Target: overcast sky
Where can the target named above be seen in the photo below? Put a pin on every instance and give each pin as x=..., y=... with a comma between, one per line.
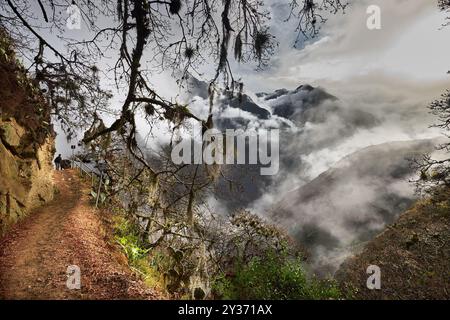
x=411, y=49
x=409, y=45
x=409, y=56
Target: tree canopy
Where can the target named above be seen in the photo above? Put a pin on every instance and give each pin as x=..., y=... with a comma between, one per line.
x=142, y=34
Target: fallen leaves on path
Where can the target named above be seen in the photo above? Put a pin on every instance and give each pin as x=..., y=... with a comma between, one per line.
x=35, y=254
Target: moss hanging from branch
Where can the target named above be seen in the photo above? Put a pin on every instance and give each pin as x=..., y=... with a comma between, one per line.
x=175, y=6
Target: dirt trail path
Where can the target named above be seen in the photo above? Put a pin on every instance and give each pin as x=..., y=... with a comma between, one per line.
x=35, y=254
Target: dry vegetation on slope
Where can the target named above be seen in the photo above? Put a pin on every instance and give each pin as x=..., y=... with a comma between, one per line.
x=413, y=254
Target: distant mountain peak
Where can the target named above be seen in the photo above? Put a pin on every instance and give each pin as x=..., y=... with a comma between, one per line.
x=304, y=87
x=243, y=102
x=291, y=104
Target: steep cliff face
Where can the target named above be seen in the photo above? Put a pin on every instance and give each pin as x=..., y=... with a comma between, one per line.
x=26, y=141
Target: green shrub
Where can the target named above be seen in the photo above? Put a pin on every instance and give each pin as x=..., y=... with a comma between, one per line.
x=274, y=277
x=128, y=237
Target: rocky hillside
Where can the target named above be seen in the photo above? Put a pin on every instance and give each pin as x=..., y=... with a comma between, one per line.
x=413, y=255
x=26, y=141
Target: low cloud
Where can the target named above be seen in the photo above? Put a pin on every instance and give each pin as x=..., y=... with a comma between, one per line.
x=382, y=81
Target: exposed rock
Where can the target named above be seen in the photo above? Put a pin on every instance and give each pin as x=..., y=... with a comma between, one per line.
x=26, y=143
x=246, y=103
x=11, y=133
